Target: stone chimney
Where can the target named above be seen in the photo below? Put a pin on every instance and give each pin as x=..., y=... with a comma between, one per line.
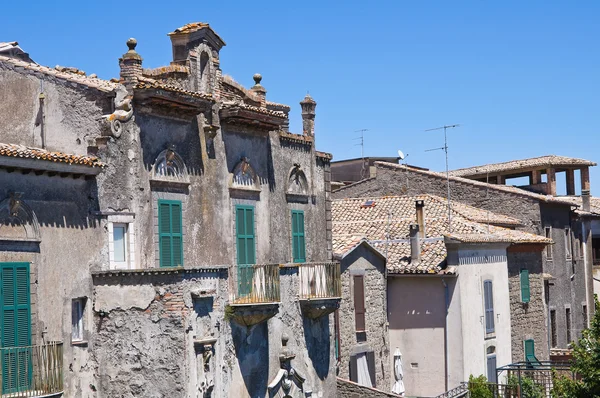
x=415, y=245
x=131, y=65
x=585, y=199
x=420, y=207
x=259, y=90
x=308, y=116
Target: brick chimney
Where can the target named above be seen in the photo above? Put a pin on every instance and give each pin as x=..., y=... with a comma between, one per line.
x=259, y=90
x=308, y=115
x=131, y=65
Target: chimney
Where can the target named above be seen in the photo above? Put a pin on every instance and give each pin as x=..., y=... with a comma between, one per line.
x=131, y=65
x=585, y=199
x=259, y=90
x=415, y=246
x=308, y=116
x=420, y=206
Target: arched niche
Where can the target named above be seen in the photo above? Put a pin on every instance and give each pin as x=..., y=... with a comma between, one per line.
x=17, y=220
x=297, y=184
x=169, y=166
x=244, y=176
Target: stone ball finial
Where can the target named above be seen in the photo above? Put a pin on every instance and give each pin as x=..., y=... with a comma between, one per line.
x=257, y=78
x=284, y=339
x=131, y=43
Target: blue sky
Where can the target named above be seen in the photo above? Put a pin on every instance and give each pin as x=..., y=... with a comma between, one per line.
x=521, y=77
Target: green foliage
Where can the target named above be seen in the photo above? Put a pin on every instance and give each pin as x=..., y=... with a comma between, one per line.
x=478, y=387
x=586, y=364
x=529, y=389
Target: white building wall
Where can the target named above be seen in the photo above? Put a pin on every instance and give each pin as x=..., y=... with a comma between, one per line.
x=478, y=263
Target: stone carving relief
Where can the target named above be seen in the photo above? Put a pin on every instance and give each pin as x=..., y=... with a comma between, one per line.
x=122, y=114
x=288, y=383
x=244, y=176
x=169, y=166
x=297, y=182
x=17, y=220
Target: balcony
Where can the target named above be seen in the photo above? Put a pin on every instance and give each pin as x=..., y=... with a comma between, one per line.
x=33, y=371
x=257, y=293
x=320, y=288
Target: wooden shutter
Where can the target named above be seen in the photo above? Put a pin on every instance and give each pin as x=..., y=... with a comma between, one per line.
x=371, y=366
x=359, y=303
x=244, y=227
x=353, y=369
x=525, y=291
x=491, y=369
x=298, y=242
x=488, y=299
x=530, y=351
x=170, y=233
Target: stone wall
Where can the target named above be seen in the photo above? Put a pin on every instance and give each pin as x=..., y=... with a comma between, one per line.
x=348, y=389
x=364, y=261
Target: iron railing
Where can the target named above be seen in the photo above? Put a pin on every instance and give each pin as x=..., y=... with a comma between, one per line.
x=257, y=283
x=457, y=392
x=320, y=280
x=31, y=371
x=538, y=376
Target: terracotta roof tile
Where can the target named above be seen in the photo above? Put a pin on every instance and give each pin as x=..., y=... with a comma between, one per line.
x=146, y=83
x=253, y=108
x=20, y=151
x=164, y=70
x=524, y=164
x=324, y=155
x=386, y=226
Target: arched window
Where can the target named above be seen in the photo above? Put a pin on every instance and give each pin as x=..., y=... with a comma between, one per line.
x=169, y=165
x=204, y=72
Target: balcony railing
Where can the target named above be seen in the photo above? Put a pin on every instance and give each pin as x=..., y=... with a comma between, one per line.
x=31, y=371
x=257, y=284
x=320, y=281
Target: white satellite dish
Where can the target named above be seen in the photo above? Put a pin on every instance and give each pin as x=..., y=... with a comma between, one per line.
x=400, y=154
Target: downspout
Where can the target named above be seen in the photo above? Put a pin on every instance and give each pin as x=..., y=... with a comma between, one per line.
x=447, y=360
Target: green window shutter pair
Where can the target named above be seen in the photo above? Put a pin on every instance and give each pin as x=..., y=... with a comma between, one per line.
x=529, y=346
x=525, y=291
x=298, y=241
x=170, y=233
x=244, y=226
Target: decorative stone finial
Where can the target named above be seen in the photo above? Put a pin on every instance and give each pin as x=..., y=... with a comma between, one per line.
x=131, y=43
x=257, y=78
x=131, y=53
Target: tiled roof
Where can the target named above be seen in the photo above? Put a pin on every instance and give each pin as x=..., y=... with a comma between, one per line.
x=72, y=75
x=278, y=106
x=164, y=70
x=301, y=138
x=386, y=226
x=324, y=155
x=20, y=151
x=253, y=108
x=576, y=200
x=497, y=187
x=146, y=83
x=524, y=164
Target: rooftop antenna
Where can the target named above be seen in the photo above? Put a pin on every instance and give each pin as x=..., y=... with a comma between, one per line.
x=362, y=150
x=445, y=148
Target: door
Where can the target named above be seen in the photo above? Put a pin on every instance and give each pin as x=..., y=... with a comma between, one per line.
x=244, y=225
x=15, y=317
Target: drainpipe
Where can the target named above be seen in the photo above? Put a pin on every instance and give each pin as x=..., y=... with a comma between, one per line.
x=447, y=360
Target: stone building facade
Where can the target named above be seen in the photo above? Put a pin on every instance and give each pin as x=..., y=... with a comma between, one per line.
x=177, y=223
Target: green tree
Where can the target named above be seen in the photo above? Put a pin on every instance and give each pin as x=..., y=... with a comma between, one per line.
x=586, y=364
x=478, y=387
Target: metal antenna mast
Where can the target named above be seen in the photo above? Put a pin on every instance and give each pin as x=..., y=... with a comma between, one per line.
x=445, y=148
x=362, y=150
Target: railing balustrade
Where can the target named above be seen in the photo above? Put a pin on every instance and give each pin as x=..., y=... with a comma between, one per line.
x=31, y=371
x=257, y=283
x=320, y=280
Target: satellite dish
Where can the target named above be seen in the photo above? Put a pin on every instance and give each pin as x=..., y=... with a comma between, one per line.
x=400, y=154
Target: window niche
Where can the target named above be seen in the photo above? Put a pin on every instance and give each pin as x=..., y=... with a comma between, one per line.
x=297, y=185
x=243, y=178
x=19, y=227
x=169, y=168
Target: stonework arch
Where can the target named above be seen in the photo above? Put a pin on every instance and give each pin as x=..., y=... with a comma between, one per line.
x=17, y=220
x=169, y=166
x=205, y=69
x=244, y=176
x=297, y=184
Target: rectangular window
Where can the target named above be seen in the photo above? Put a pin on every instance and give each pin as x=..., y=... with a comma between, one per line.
x=548, y=247
x=568, y=316
x=359, y=303
x=491, y=369
x=488, y=299
x=525, y=292
x=298, y=242
x=530, y=351
x=170, y=233
x=553, y=335
x=77, y=311
x=120, y=243
x=568, y=243
x=246, y=250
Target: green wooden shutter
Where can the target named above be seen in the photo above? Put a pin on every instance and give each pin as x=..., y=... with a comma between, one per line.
x=16, y=327
x=246, y=254
x=298, y=242
x=525, y=292
x=530, y=351
x=170, y=233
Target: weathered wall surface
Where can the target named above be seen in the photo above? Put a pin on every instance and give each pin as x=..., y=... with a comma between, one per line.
x=524, y=315
x=348, y=389
x=363, y=261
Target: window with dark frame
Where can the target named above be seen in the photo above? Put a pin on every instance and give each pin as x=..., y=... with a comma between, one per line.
x=77, y=311
x=553, y=335
x=359, y=303
x=568, y=246
x=548, y=231
x=488, y=299
x=568, y=316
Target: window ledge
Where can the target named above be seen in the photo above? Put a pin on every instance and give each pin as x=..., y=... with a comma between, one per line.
x=79, y=343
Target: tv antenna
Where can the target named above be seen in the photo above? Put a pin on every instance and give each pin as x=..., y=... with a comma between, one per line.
x=445, y=148
x=362, y=150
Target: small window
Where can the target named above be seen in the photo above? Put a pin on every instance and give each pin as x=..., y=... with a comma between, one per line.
x=525, y=291
x=568, y=243
x=585, y=316
x=568, y=319
x=553, y=335
x=77, y=311
x=548, y=247
x=359, y=303
x=298, y=240
x=488, y=299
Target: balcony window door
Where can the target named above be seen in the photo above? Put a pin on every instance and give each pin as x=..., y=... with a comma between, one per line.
x=246, y=251
x=15, y=317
